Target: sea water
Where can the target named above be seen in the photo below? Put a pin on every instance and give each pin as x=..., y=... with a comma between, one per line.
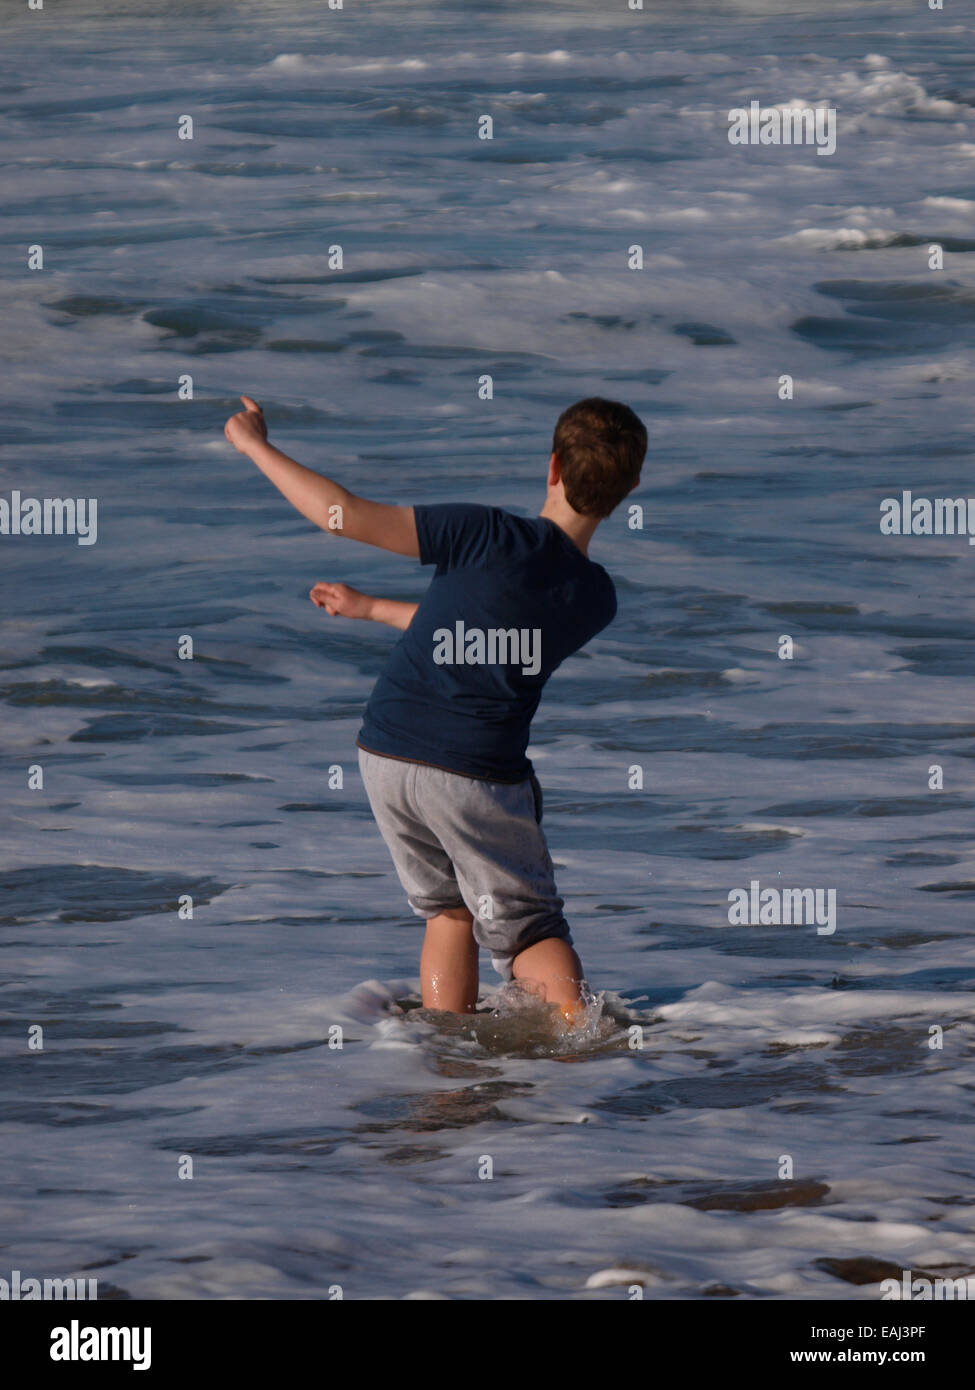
x=250, y=1101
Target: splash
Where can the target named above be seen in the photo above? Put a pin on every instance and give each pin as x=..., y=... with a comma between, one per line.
x=517, y=1021
x=526, y=1006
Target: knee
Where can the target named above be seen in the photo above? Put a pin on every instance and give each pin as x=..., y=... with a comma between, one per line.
x=455, y=914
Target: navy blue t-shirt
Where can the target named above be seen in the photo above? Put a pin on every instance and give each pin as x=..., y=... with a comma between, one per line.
x=510, y=599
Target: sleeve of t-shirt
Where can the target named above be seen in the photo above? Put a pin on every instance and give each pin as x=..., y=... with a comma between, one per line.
x=453, y=535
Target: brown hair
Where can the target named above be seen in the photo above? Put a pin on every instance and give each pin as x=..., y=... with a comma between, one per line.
x=601, y=446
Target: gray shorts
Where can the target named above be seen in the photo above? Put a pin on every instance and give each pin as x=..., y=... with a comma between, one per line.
x=462, y=842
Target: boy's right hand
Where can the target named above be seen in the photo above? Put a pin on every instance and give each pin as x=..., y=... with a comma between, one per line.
x=341, y=600
x=247, y=427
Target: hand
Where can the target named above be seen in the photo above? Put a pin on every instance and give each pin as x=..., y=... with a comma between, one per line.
x=341, y=600
x=246, y=428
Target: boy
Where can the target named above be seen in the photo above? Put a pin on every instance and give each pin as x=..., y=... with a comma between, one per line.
x=442, y=746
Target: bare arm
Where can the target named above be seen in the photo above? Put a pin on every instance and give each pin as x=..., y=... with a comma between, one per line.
x=343, y=601
x=326, y=503
x=393, y=612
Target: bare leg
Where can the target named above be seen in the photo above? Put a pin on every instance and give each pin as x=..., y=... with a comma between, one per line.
x=553, y=965
x=448, y=962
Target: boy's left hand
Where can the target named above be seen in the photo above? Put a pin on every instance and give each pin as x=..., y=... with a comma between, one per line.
x=247, y=427
x=341, y=600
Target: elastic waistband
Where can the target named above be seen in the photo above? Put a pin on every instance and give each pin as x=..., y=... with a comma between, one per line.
x=453, y=771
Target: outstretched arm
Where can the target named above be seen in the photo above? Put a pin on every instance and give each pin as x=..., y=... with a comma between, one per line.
x=344, y=601
x=326, y=503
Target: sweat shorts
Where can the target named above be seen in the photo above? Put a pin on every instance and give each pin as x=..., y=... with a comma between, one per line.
x=461, y=841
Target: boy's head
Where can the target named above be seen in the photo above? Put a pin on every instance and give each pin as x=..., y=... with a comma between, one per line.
x=601, y=446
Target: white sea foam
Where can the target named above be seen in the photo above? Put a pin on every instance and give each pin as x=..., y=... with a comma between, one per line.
x=210, y=1035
